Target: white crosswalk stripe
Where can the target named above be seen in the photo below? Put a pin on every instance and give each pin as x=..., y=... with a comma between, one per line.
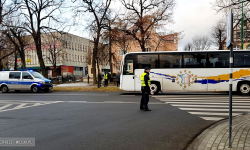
x=7, y=105
x=212, y=108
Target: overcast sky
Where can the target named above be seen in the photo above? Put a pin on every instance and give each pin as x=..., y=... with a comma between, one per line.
x=194, y=17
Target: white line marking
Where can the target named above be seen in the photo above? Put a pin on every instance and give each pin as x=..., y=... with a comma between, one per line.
x=235, y=103
x=211, y=118
x=207, y=98
x=5, y=106
x=29, y=106
x=209, y=106
x=213, y=114
x=127, y=95
x=204, y=109
x=205, y=101
x=19, y=106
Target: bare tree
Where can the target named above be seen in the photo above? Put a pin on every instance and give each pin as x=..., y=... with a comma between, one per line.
x=38, y=15
x=55, y=45
x=6, y=49
x=6, y=8
x=145, y=16
x=218, y=34
x=201, y=43
x=226, y=5
x=188, y=47
x=98, y=9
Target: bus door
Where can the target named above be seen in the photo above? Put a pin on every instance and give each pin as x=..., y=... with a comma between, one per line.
x=127, y=81
x=137, y=79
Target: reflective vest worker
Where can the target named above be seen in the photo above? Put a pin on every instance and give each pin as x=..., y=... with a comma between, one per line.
x=145, y=89
x=106, y=80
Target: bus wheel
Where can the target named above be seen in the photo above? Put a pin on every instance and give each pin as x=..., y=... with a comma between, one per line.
x=34, y=89
x=4, y=89
x=244, y=88
x=155, y=87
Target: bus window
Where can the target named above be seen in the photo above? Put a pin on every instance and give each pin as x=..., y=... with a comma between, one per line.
x=241, y=59
x=147, y=61
x=128, y=66
x=195, y=60
x=170, y=61
x=218, y=60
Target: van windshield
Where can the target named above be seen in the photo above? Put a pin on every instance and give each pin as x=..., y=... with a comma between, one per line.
x=37, y=75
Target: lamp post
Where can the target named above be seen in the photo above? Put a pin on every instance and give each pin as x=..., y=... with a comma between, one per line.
x=242, y=25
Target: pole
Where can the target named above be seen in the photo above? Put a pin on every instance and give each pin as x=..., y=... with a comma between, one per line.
x=230, y=96
x=231, y=85
x=242, y=25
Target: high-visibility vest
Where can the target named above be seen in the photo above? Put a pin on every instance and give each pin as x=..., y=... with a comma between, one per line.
x=142, y=80
x=106, y=76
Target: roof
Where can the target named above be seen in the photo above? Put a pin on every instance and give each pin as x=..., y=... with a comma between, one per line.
x=169, y=37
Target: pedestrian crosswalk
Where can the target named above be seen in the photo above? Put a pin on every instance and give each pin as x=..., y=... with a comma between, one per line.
x=208, y=107
x=7, y=105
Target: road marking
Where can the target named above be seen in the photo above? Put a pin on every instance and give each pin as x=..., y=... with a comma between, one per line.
x=213, y=114
x=204, y=98
x=5, y=106
x=21, y=106
x=212, y=118
x=204, y=109
x=235, y=103
x=169, y=101
x=209, y=106
x=127, y=95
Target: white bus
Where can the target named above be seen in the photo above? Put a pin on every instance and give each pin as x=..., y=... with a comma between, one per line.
x=187, y=71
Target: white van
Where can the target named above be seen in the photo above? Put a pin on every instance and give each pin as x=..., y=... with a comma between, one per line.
x=24, y=80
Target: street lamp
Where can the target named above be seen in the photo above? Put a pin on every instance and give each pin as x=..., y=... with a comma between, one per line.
x=242, y=25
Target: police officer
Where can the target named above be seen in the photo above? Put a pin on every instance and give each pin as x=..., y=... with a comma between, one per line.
x=106, y=79
x=145, y=88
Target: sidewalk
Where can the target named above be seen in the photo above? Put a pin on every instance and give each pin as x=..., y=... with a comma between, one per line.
x=81, y=84
x=216, y=136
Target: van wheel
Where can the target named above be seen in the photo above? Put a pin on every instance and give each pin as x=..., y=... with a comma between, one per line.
x=4, y=89
x=155, y=87
x=244, y=88
x=34, y=89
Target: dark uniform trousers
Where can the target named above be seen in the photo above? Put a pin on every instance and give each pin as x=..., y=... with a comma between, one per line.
x=144, y=98
x=106, y=82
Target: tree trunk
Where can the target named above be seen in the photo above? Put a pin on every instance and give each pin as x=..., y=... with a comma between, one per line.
x=22, y=55
x=37, y=40
x=1, y=66
x=96, y=42
x=110, y=54
x=15, y=65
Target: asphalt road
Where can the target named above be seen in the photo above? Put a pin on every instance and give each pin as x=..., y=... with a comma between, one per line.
x=97, y=121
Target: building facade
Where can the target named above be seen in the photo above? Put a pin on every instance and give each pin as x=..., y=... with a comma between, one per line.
x=237, y=35
x=155, y=43
x=66, y=50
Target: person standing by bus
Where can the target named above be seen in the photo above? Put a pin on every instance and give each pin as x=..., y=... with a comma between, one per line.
x=106, y=79
x=145, y=88
x=118, y=76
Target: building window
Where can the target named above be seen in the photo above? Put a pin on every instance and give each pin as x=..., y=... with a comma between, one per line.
x=117, y=68
x=248, y=47
x=148, y=49
x=236, y=47
x=120, y=52
x=69, y=57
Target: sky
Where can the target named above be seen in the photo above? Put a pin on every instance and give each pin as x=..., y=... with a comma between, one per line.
x=193, y=17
